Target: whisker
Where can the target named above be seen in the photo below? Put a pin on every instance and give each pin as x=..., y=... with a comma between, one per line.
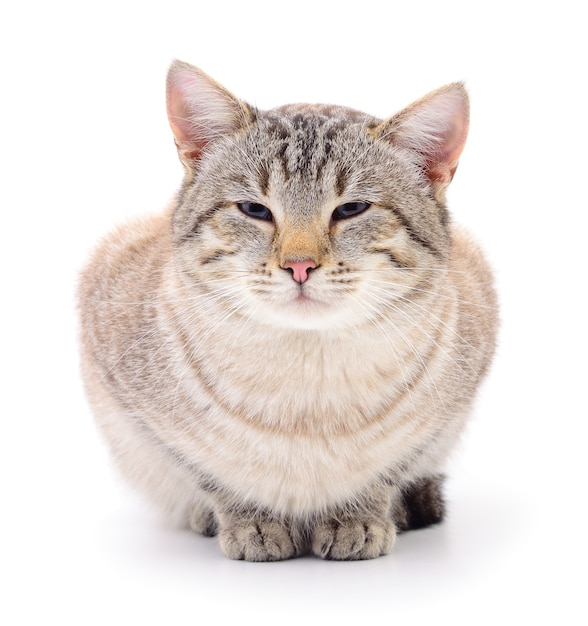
x=436, y=293
x=399, y=360
x=391, y=305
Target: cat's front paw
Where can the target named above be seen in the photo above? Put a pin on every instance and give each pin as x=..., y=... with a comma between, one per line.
x=353, y=539
x=257, y=540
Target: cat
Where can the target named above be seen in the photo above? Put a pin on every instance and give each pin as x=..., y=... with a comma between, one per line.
x=285, y=357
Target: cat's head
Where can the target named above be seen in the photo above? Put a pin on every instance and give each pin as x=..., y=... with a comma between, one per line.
x=311, y=216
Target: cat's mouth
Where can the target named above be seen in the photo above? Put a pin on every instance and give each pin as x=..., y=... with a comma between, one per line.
x=303, y=304
x=303, y=298
x=306, y=308
x=308, y=305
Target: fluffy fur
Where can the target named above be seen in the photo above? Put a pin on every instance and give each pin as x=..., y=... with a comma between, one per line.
x=286, y=356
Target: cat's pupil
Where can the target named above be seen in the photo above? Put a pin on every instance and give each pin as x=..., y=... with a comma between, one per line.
x=350, y=209
x=253, y=209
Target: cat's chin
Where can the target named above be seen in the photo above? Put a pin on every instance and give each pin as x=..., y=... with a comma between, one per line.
x=307, y=314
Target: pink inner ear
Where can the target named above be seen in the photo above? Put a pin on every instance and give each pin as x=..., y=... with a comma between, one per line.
x=199, y=109
x=188, y=142
x=443, y=162
x=455, y=138
x=436, y=128
x=178, y=114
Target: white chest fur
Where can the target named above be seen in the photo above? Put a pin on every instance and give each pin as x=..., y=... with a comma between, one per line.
x=297, y=421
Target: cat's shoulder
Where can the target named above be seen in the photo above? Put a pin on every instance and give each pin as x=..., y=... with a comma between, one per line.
x=472, y=274
x=466, y=252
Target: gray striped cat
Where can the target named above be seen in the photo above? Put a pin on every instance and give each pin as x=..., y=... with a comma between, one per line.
x=285, y=357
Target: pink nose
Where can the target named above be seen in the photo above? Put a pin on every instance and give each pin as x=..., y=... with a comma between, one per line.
x=300, y=269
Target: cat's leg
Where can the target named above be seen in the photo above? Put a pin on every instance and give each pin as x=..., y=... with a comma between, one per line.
x=255, y=536
x=420, y=504
x=361, y=530
x=201, y=517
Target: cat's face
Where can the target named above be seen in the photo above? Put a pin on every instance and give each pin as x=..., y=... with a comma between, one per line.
x=305, y=216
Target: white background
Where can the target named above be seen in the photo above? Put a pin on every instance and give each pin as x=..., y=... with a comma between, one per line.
x=84, y=143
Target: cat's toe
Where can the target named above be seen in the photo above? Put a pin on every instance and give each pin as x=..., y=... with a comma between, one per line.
x=257, y=541
x=353, y=539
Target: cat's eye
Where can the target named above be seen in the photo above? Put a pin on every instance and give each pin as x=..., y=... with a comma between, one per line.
x=350, y=209
x=253, y=209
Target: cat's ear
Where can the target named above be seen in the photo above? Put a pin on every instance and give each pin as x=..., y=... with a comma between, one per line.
x=435, y=128
x=200, y=110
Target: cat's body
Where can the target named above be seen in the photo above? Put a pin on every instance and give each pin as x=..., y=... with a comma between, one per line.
x=287, y=355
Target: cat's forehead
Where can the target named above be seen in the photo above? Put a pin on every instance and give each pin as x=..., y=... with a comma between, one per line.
x=308, y=147
x=304, y=117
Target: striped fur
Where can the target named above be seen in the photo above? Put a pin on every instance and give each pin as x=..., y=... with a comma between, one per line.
x=285, y=416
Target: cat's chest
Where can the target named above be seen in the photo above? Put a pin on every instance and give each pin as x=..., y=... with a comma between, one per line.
x=307, y=381
x=300, y=419
x=303, y=427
